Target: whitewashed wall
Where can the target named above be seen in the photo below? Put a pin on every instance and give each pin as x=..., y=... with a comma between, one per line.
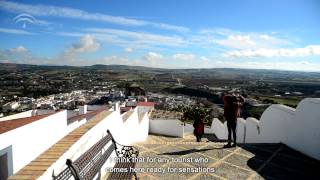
x=304, y=129
x=72, y=113
x=96, y=107
x=145, y=108
x=131, y=125
x=167, y=127
x=241, y=128
x=219, y=129
x=207, y=130
x=42, y=112
x=274, y=123
x=188, y=128
x=297, y=128
x=252, y=130
x=27, y=114
x=143, y=128
x=16, y=116
x=29, y=141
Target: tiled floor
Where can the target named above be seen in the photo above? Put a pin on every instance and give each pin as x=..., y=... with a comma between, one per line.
x=249, y=161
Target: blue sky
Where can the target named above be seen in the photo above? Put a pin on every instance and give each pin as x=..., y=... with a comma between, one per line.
x=274, y=34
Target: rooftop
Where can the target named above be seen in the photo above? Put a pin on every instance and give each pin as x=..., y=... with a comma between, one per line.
x=9, y=125
x=146, y=104
x=161, y=114
x=88, y=115
x=125, y=109
x=247, y=161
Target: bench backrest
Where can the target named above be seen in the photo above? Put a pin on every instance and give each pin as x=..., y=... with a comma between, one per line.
x=88, y=165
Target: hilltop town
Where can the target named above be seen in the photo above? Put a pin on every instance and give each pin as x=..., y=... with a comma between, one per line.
x=26, y=87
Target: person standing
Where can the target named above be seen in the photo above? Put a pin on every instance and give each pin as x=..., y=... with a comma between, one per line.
x=232, y=106
x=198, y=128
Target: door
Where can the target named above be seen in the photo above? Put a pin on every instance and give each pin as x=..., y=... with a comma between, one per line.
x=4, y=166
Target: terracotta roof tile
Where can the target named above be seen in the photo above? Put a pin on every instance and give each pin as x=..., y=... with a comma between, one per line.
x=146, y=104
x=9, y=125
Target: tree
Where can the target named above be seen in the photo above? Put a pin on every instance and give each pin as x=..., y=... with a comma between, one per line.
x=191, y=113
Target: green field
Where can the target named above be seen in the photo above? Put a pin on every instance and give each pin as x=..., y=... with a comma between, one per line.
x=291, y=101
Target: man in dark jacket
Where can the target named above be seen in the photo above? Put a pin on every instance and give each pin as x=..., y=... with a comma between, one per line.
x=232, y=106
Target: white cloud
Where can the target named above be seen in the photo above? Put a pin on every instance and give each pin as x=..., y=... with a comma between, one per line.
x=237, y=41
x=4, y=60
x=150, y=59
x=18, y=49
x=86, y=44
x=137, y=38
x=15, y=31
x=153, y=56
x=218, y=31
x=254, y=44
x=182, y=56
x=232, y=39
x=285, y=65
x=131, y=39
x=205, y=60
x=311, y=50
x=170, y=27
x=21, y=55
x=114, y=60
x=250, y=41
x=44, y=10
x=153, y=59
x=128, y=50
x=70, y=34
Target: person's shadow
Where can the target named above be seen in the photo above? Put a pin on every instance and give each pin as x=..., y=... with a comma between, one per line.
x=213, y=138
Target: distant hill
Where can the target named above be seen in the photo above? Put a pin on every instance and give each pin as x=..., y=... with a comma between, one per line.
x=224, y=73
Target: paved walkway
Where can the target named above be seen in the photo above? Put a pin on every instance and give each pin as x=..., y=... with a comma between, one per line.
x=161, y=156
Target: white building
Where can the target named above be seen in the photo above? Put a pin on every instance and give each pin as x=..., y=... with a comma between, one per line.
x=10, y=106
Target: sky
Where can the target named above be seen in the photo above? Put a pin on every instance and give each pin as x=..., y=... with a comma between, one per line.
x=264, y=34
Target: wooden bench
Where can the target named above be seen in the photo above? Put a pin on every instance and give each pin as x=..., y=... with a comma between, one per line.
x=89, y=164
